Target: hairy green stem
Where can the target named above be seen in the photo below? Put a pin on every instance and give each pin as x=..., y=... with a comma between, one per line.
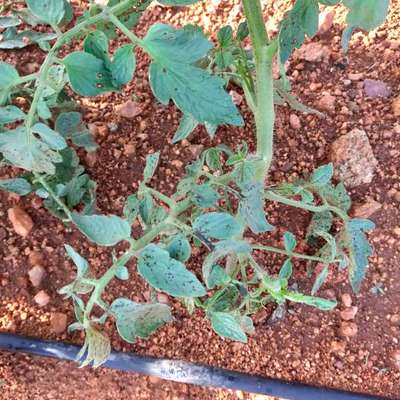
x=264, y=114
x=273, y=196
x=272, y=249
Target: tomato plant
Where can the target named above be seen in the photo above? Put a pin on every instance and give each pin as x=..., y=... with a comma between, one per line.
x=214, y=207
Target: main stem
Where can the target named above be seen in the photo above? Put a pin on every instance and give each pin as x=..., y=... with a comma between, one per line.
x=264, y=112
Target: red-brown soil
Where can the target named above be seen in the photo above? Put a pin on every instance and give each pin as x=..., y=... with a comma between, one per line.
x=306, y=345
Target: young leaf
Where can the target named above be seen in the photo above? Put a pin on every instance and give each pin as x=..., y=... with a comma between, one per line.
x=242, y=32
x=98, y=348
x=106, y=230
x=223, y=300
x=27, y=152
x=336, y=196
x=322, y=304
x=96, y=44
x=8, y=77
x=167, y=274
x=9, y=21
x=9, y=114
x=226, y=325
x=359, y=249
x=251, y=208
x=221, y=250
x=225, y=36
x=187, y=125
x=290, y=241
x=49, y=11
x=204, y=196
x=138, y=320
x=286, y=270
x=366, y=14
x=122, y=273
x=19, y=186
x=52, y=138
x=131, y=208
x=217, y=277
x=81, y=263
x=179, y=248
x=151, y=166
x=217, y=225
x=320, y=222
x=123, y=65
x=322, y=175
x=87, y=74
x=320, y=279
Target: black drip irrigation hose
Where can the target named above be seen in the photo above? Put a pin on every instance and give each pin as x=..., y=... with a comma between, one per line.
x=183, y=372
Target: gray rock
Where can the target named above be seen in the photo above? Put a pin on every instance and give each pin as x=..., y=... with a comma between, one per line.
x=374, y=88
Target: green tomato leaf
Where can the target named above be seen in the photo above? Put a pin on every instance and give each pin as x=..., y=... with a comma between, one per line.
x=243, y=31
x=98, y=347
x=87, y=74
x=106, y=230
x=322, y=175
x=223, y=300
x=301, y=20
x=204, y=196
x=49, y=11
x=336, y=196
x=9, y=114
x=67, y=123
x=96, y=44
x=122, y=273
x=286, y=270
x=8, y=75
x=290, y=241
x=356, y=243
x=173, y=77
x=226, y=325
x=9, y=21
x=320, y=222
x=217, y=225
x=251, y=207
x=366, y=14
x=179, y=248
x=138, y=320
x=26, y=151
x=221, y=250
x=123, y=65
x=217, y=277
x=131, y=208
x=152, y=161
x=52, y=138
x=320, y=279
x=225, y=36
x=17, y=185
x=167, y=274
x=81, y=263
x=187, y=125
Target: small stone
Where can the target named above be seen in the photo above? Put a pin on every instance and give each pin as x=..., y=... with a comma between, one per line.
x=112, y=126
x=366, y=209
x=35, y=258
x=395, y=358
x=236, y=97
x=374, y=88
x=327, y=102
x=356, y=77
x=312, y=52
x=354, y=160
x=325, y=22
x=396, y=106
x=129, y=109
x=162, y=298
x=93, y=129
x=102, y=130
x=294, y=121
x=177, y=163
x=396, y=231
x=338, y=346
x=58, y=322
x=196, y=149
x=20, y=220
x=395, y=319
x=348, y=313
x=348, y=329
x=42, y=298
x=129, y=149
x=36, y=275
x=91, y=159
x=346, y=300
